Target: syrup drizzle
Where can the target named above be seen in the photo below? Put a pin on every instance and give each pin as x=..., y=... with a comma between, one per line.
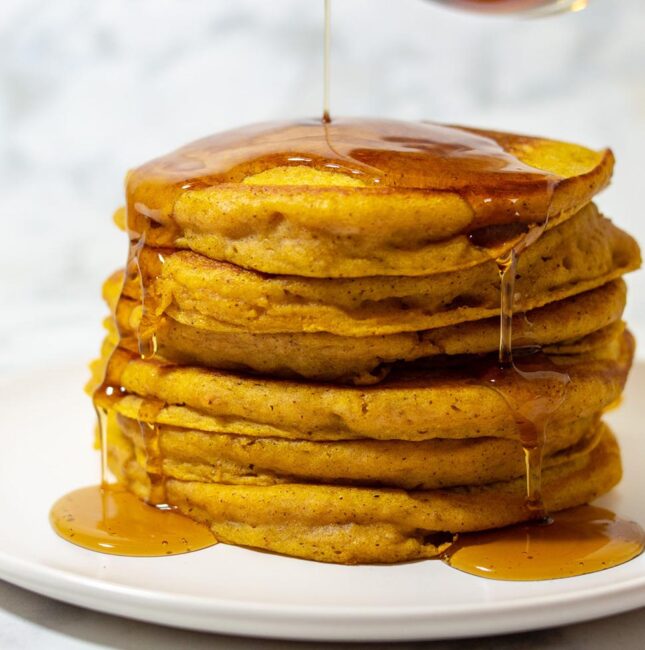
x=382, y=154
x=542, y=388
x=148, y=413
x=326, y=117
x=108, y=518
x=569, y=543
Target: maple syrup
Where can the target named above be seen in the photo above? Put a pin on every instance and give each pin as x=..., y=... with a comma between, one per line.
x=110, y=519
x=542, y=388
x=381, y=153
x=326, y=116
x=571, y=543
x=565, y=544
x=107, y=517
x=147, y=416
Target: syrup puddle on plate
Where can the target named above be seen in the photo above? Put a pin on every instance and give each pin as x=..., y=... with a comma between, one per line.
x=572, y=542
x=109, y=519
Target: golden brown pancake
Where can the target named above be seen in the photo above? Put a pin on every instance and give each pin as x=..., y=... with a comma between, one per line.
x=412, y=403
x=192, y=455
x=358, y=197
x=575, y=324
x=332, y=523
x=583, y=253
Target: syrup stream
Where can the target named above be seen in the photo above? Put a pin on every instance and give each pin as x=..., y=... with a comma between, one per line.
x=326, y=51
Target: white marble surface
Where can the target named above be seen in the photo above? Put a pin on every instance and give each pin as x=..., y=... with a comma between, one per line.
x=88, y=89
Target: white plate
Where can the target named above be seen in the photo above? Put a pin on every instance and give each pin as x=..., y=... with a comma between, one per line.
x=45, y=450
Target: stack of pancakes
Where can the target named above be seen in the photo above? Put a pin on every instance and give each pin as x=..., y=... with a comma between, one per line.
x=311, y=377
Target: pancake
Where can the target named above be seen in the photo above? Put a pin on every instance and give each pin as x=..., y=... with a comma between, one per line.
x=358, y=197
x=581, y=254
x=413, y=403
x=351, y=525
x=565, y=326
x=192, y=455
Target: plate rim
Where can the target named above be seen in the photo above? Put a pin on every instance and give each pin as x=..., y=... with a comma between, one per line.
x=310, y=622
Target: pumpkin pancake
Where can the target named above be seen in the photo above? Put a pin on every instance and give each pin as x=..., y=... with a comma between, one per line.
x=583, y=253
x=565, y=326
x=358, y=197
x=413, y=403
x=349, y=524
x=304, y=353
x=192, y=455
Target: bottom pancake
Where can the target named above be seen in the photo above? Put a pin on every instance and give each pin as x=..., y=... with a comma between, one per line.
x=349, y=525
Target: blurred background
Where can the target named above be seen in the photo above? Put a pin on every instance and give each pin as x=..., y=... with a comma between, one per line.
x=90, y=89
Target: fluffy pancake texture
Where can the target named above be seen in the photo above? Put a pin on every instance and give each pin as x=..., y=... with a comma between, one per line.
x=412, y=403
x=439, y=462
x=327, y=218
x=301, y=350
x=351, y=525
x=579, y=255
x=566, y=325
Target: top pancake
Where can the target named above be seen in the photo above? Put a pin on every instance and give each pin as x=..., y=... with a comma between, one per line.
x=359, y=197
